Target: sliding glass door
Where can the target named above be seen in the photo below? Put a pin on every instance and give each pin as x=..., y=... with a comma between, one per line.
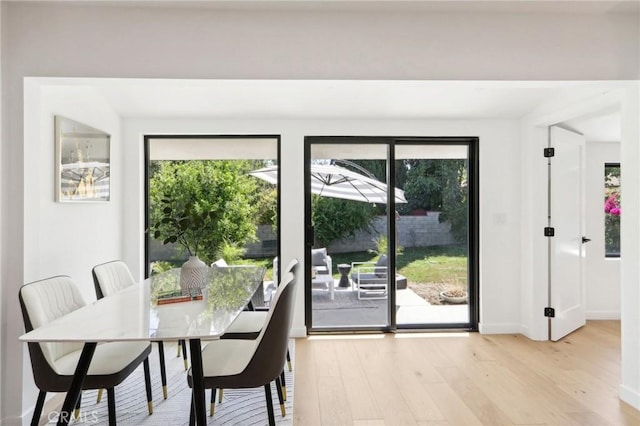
x=392, y=233
x=347, y=196
x=435, y=232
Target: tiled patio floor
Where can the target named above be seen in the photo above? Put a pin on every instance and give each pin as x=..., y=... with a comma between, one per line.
x=411, y=309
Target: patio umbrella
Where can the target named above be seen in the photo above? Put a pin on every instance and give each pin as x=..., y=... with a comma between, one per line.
x=339, y=182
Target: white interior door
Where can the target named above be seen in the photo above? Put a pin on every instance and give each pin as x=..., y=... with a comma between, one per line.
x=566, y=253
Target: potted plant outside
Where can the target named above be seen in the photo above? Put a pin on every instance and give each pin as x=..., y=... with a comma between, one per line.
x=455, y=296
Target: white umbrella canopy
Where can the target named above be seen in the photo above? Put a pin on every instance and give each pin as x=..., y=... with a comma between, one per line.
x=339, y=182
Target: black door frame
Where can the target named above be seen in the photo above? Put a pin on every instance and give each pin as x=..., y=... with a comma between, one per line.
x=147, y=140
x=472, y=144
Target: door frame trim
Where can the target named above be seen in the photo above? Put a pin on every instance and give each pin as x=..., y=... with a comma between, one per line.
x=473, y=256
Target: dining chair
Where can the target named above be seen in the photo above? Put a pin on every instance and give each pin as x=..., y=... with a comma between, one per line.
x=248, y=326
x=241, y=363
x=53, y=363
x=113, y=276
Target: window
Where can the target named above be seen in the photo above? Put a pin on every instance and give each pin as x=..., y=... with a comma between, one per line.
x=203, y=201
x=612, y=209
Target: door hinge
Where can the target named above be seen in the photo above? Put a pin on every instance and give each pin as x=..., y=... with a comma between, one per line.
x=549, y=231
x=549, y=152
x=549, y=312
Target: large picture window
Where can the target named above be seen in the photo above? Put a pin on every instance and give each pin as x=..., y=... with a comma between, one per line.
x=204, y=204
x=612, y=209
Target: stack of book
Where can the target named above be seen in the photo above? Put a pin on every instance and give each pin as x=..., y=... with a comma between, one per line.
x=177, y=296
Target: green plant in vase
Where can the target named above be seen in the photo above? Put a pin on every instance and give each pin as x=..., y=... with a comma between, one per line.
x=184, y=225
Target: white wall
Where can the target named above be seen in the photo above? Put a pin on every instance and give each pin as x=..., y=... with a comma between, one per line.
x=1, y=217
x=499, y=210
x=534, y=261
x=65, y=238
x=630, y=247
x=602, y=274
x=189, y=42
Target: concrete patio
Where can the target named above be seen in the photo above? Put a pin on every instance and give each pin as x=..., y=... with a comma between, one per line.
x=347, y=311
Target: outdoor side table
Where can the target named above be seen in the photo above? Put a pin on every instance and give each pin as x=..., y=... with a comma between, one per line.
x=344, y=269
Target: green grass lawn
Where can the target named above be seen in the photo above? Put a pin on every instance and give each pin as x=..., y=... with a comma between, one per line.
x=435, y=264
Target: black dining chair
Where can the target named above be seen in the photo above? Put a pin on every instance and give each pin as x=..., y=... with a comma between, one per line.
x=241, y=363
x=53, y=363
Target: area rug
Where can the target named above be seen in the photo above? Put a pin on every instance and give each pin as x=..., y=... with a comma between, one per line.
x=238, y=407
x=343, y=299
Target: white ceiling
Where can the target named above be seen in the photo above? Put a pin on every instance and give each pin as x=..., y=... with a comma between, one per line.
x=324, y=99
x=433, y=6
x=340, y=99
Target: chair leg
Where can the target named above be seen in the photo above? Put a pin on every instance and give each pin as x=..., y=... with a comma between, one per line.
x=111, y=404
x=220, y=396
x=284, y=385
x=147, y=384
x=212, y=405
x=192, y=412
x=289, y=361
x=76, y=411
x=184, y=354
x=163, y=368
x=179, y=347
x=37, y=411
x=279, y=388
x=267, y=394
x=99, y=397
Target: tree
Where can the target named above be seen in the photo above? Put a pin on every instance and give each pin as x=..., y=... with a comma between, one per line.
x=455, y=198
x=423, y=188
x=440, y=185
x=202, y=204
x=335, y=218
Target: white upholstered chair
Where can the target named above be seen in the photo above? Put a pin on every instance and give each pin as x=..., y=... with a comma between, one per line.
x=249, y=324
x=113, y=276
x=242, y=363
x=54, y=363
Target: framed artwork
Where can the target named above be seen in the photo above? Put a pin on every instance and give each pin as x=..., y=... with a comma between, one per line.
x=83, y=162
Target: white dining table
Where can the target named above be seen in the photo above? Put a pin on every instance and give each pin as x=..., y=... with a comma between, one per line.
x=133, y=314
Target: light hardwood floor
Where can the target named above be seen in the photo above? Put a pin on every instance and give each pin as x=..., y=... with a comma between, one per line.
x=461, y=379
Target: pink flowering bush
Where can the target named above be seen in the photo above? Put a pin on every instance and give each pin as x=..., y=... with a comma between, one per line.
x=612, y=222
x=612, y=204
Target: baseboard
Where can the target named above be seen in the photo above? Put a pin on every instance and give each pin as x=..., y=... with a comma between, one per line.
x=499, y=328
x=15, y=421
x=52, y=405
x=297, y=332
x=630, y=396
x=603, y=315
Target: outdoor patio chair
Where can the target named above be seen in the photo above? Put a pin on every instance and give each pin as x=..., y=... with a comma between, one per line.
x=321, y=261
x=370, y=279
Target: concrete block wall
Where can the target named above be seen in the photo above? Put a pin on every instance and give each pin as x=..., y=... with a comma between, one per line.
x=413, y=231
